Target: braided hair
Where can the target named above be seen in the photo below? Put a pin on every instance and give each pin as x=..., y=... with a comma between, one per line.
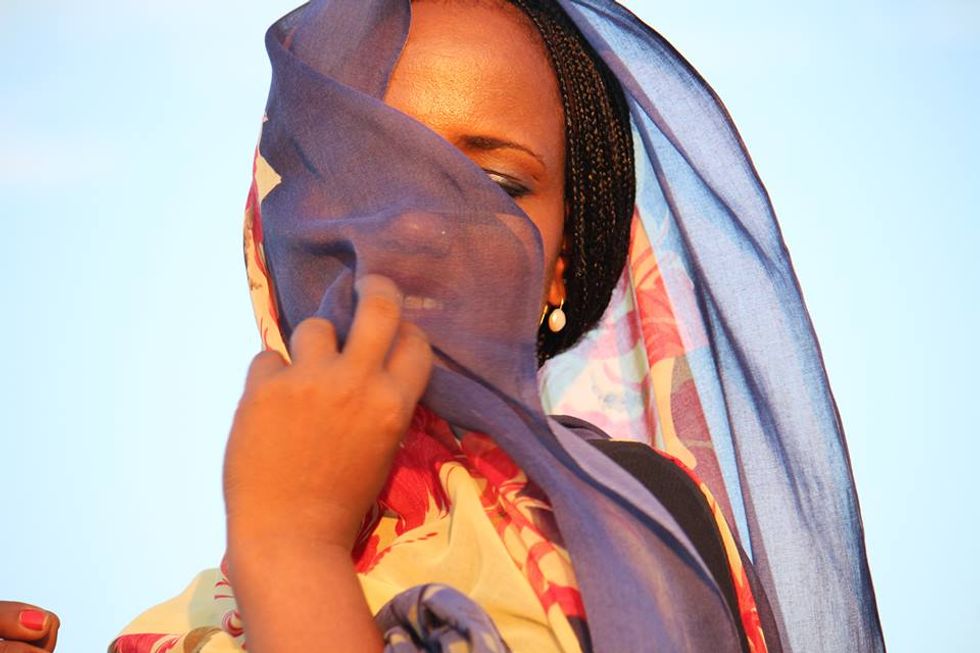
x=600, y=184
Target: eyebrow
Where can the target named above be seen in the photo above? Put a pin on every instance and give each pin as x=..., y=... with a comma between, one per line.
x=488, y=143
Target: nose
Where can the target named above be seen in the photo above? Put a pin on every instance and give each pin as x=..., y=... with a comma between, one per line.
x=429, y=234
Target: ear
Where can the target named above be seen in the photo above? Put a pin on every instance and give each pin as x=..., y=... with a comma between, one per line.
x=556, y=291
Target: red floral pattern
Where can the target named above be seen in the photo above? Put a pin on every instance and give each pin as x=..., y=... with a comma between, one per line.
x=415, y=494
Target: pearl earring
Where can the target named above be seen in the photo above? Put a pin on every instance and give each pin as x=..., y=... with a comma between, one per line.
x=556, y=321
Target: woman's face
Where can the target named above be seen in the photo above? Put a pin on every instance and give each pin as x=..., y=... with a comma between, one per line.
x=478, y=74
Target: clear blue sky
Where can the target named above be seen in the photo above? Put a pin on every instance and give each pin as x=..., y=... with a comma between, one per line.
x=128, y=128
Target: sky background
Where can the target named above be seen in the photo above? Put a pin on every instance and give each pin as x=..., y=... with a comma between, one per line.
x=125, y=156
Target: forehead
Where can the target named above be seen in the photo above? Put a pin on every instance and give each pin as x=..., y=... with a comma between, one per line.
x=476, y=66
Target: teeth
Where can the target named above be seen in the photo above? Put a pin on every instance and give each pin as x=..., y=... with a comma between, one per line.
x=412, y=302
x=417, y=302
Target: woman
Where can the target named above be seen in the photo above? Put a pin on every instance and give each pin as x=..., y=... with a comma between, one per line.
x=357, y=521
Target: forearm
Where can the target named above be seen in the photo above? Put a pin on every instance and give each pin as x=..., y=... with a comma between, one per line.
x=300, y=597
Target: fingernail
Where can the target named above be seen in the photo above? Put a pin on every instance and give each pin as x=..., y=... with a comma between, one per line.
x=32, y=619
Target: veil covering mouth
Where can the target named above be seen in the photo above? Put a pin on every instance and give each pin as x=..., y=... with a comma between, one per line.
x=706, y=350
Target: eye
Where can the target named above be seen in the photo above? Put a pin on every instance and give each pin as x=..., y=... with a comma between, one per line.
x=510, y=185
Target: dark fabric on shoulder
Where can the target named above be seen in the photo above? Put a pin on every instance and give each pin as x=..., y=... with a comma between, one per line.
x=643, y=463
x=686, y=503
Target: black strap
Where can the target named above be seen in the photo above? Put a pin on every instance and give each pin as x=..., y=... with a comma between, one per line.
x=686, y=503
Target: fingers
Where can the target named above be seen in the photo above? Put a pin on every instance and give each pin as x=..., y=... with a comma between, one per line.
x=313, y=340
x=410, y=361
x=377, y=337
x=264, y=365
x=22, y=622
x=376, y=320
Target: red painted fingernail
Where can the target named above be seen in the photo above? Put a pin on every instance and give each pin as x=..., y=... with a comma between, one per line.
x=32, y=619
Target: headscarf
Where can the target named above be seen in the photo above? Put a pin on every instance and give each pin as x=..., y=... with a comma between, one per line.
x=706, y=350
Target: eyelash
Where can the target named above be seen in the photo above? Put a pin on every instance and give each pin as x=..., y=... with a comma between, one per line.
x=510, y=186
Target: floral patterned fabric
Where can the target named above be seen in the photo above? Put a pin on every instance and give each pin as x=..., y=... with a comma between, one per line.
x=455, y=512
x=461, y=549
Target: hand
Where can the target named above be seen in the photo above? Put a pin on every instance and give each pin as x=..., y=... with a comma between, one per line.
x=312, y=442
x=26, y=628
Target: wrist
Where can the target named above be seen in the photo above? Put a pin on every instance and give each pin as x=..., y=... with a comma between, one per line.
x=272, y=527
x=264, y=539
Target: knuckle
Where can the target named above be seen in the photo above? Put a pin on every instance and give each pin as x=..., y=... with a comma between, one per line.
x=321, y=325
x=315, y=327
x=262, y=364
x=263, y=358
x=415, y=333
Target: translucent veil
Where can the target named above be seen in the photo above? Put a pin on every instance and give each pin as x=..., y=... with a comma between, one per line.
x=706, y=350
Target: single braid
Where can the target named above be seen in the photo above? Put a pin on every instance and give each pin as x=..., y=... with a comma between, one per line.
x=599, y=174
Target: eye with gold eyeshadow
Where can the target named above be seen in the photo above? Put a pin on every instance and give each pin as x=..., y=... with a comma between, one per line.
x=511, y=186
